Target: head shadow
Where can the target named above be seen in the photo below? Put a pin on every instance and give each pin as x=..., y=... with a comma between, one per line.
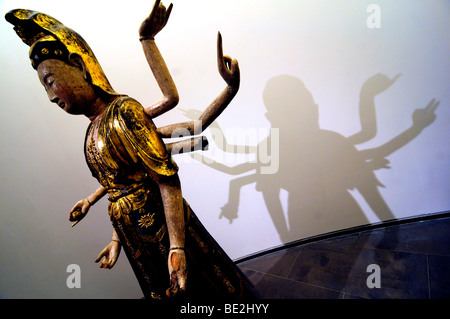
x=318, y=168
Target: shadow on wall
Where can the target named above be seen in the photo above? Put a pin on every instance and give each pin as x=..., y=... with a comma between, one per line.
x=317, y=167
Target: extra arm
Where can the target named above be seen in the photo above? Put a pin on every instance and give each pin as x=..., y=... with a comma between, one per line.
x=110, y=253
x=149, y=28
x=229, y=70
x=81, y=208
x=421, y=119
x=166, y=84
x=370, y=89
x=172, y=199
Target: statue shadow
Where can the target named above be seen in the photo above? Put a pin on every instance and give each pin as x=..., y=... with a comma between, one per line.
x=318, y=169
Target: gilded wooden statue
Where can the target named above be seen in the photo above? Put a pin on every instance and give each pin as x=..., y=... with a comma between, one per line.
x=171, y=253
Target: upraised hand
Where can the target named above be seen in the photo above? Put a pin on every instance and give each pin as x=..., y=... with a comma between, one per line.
x=424, y=117
x=155, y=22
x=377, y=84
x=228, y=67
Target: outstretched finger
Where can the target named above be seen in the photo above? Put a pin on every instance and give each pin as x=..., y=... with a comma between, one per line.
x=396, y=77
x=101, y=255
x=164, y=15
x=154, y=10
x=224, y=63
x=219, y=51
x=169, y=10
x=431, y=106
x=99, y=258
x=75, y=223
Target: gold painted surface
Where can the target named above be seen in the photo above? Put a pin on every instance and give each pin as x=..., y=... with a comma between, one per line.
x=137, y=133
x=147, y=220
x=31, y=26
x=124, y=135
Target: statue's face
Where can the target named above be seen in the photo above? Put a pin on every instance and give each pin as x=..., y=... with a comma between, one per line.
x=66, y=86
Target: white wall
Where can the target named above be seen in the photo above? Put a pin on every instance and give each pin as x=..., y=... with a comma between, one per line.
x=326, y=45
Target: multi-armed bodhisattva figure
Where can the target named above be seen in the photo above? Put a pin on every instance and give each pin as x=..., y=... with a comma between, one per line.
x=126, y=154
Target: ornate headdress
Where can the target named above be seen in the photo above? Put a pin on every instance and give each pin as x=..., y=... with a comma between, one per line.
x=50, y=39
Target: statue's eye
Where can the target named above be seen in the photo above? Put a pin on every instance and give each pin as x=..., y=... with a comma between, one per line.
x=50, y=81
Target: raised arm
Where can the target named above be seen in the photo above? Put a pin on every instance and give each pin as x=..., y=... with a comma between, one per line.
x=421, y=119
x=369, y=90
x=149, y=28
x=229, y=70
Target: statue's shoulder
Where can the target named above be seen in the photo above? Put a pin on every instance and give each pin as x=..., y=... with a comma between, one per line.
x=129, y=113
x=135, y=131
x=123, y=105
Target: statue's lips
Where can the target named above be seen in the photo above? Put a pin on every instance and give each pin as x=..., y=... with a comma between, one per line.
x=61, y=104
